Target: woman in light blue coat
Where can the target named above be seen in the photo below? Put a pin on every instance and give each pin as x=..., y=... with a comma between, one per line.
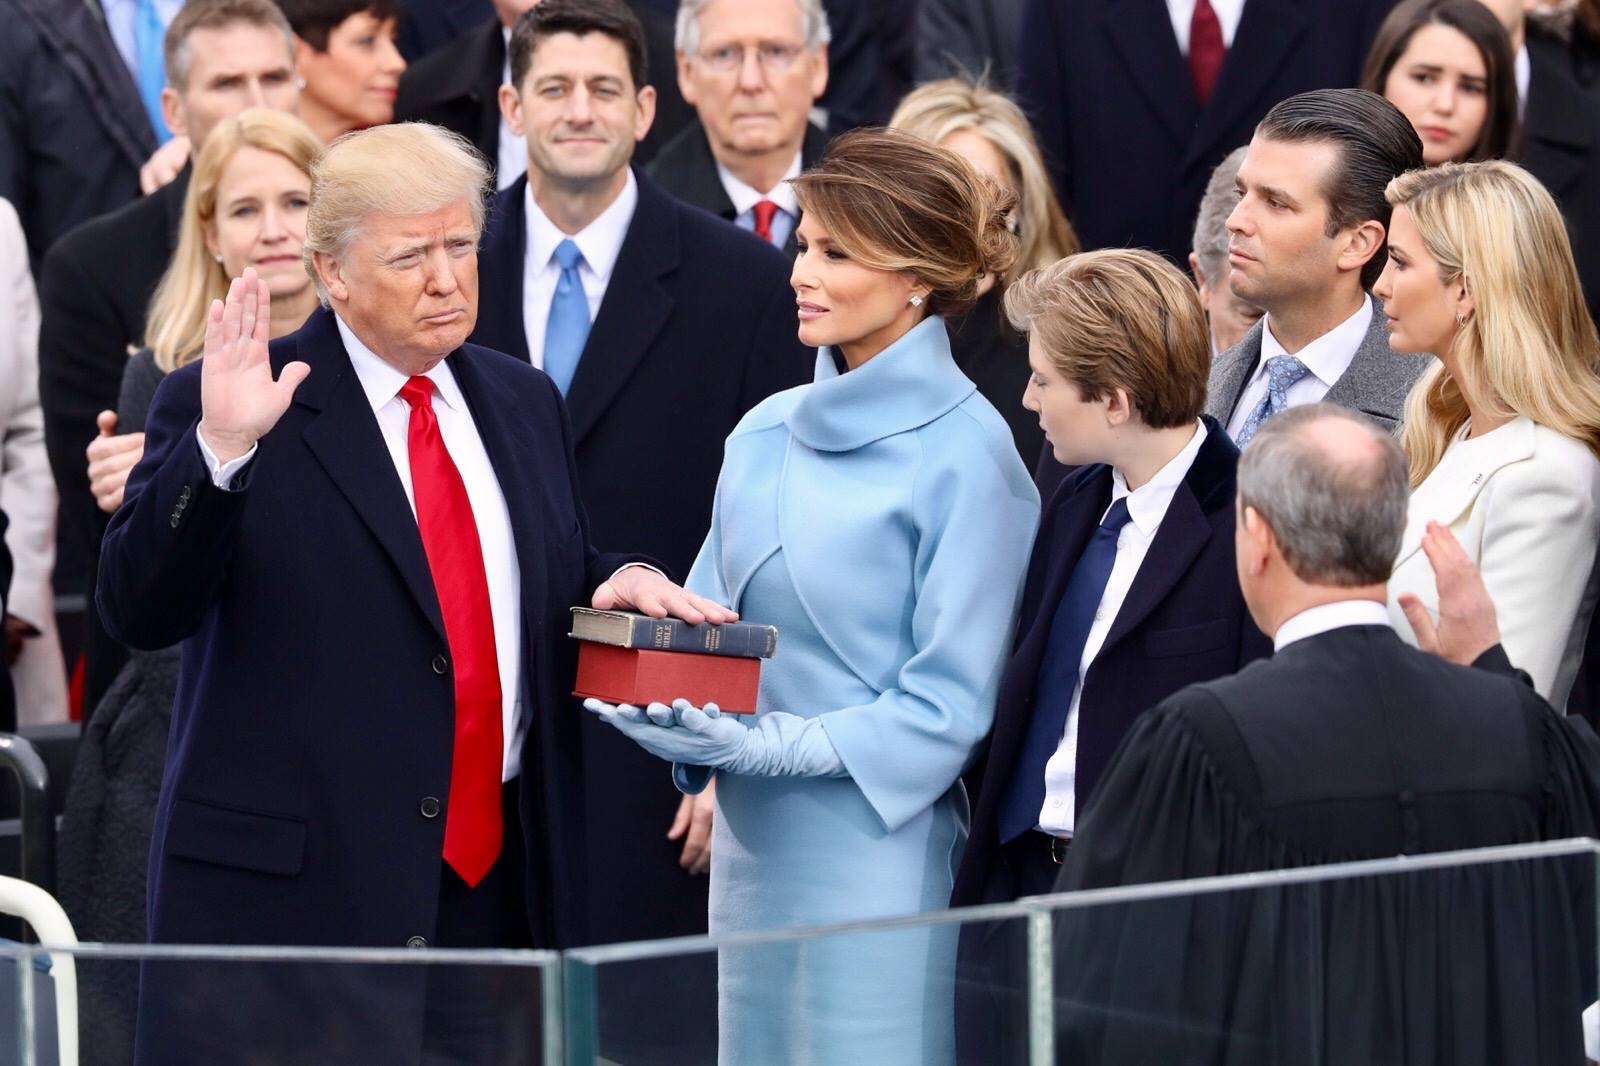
x=881, y=519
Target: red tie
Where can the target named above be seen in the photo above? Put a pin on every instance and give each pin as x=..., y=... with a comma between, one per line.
x=764, y=210
x=472, y=829
x=1206, y=50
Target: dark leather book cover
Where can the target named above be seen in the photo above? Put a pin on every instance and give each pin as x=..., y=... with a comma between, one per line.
x=642, y=675
x=625, y=629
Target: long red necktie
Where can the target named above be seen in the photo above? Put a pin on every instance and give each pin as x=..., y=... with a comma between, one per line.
x=1206, y=50
x=764, y=210
x=472, y=827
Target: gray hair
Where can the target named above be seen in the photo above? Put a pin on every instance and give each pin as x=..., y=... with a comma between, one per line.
x=178, y=57
x=408, y=168
x=1338, y=513
x=1211, y=225
x=813, y=24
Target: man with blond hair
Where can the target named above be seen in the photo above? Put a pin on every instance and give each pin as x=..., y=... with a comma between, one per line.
x=1131, y=592
x=366, y=537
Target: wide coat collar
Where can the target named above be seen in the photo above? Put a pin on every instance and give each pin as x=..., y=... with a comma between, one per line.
x=1453, y=486
x=907, y=385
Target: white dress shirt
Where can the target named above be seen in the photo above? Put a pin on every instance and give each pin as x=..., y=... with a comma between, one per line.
x=1229, y=12
x=1327, y=357
x=1320, y=619
x=382, y=382
x=511, y=155
x=1147, y=506
x=600, y=242
x=745, y=198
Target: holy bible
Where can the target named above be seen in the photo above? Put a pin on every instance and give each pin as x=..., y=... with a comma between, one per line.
x=630, y=658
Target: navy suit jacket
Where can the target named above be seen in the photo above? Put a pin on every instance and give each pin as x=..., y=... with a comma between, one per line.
x=697, y=326
x=1111, y=99
x=315, y=707
x=1183, y=621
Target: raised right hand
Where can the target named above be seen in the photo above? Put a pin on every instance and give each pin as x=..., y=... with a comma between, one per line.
x=239, y=400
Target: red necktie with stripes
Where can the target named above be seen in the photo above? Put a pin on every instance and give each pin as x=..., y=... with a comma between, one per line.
x=764, y=210
x=1206, y=50
x=472, y=827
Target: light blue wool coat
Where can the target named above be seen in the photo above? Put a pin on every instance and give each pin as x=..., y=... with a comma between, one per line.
x=882, y=520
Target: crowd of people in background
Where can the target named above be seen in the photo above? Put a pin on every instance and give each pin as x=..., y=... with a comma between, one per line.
x=959, y=339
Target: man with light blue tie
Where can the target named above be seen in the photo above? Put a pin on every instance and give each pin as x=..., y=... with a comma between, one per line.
x=1305, y=243
x=661, y=325
x=139, y=28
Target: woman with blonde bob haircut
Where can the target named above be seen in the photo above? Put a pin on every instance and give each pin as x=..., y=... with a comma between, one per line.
x=880, y=518
x=989, y=131
x=1503, y=435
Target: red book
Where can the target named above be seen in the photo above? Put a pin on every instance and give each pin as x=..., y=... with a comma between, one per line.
x=643, y=675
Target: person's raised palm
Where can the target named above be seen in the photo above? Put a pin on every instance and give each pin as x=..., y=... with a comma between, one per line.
x=239, y=400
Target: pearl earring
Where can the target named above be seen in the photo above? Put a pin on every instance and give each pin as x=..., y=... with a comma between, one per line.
x=218, y=258
x=916, y=301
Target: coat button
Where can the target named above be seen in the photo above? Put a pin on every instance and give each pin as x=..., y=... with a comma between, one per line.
x=429, y=806
x=440, y=664
x=173, y=521
x=183, y=497
x=417, y=942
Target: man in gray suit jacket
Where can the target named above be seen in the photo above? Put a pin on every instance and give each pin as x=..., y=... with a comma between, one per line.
x=1306, y=242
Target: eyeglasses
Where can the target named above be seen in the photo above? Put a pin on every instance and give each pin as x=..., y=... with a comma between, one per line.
x=774, y=58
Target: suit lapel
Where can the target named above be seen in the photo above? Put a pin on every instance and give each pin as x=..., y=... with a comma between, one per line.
x=1368, y=383
x=1141, y=33
x=1179, y=539
x=636, y=305
x=345, y=439
x=501, y=264
x=1269, y=33
x=1231, y=373
x=509, y=443
x=1078, y=505
x=1453, y=486
x=1558, y=133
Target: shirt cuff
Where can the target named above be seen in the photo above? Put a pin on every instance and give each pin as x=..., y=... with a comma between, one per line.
x=223, y=474
x=624, y=566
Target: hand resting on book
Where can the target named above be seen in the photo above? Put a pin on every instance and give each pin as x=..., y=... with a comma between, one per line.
x=774, y=745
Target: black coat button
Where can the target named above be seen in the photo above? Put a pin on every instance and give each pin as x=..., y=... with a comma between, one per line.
x=173, y=521
x=417, y=942
x=183, y=497
x=429, y=806
x=440, y=664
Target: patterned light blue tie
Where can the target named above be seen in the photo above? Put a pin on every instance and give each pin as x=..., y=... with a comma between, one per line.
x=148, y=35
x=1282, y=372
x=568, y=326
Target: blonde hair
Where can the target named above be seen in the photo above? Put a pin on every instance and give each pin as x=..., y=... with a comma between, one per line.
x=940, y=108
x=176, y=325
x=1120, y=318
x=407, y=168
x=1530, y=347
x=894, y=202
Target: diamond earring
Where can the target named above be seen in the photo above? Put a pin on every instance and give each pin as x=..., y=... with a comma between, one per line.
x=916, y=301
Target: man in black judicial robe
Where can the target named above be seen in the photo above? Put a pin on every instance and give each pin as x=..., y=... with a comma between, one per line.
x=1347, y=744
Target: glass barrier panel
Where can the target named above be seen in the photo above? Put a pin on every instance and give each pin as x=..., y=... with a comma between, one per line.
x=246, y=1006
x=1471, y=958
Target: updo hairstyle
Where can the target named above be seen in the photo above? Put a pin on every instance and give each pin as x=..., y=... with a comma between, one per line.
x=892, y=201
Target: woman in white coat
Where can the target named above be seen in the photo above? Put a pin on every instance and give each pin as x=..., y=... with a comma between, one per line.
x=27, y=492
x=1503, y=434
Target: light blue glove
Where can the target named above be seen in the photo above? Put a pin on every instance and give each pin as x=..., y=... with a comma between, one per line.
x=777, y=745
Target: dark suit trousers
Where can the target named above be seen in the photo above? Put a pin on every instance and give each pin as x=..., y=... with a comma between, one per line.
x=484, y=1014
x=992, y=960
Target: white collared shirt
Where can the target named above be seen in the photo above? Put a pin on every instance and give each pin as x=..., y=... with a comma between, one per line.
x=745, y=197
x=1327, y=357
x=511, y=154
x=1320, y=619
x=382, y=382
x=1229, y=12
x=600, y=242
x=1147, y=506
